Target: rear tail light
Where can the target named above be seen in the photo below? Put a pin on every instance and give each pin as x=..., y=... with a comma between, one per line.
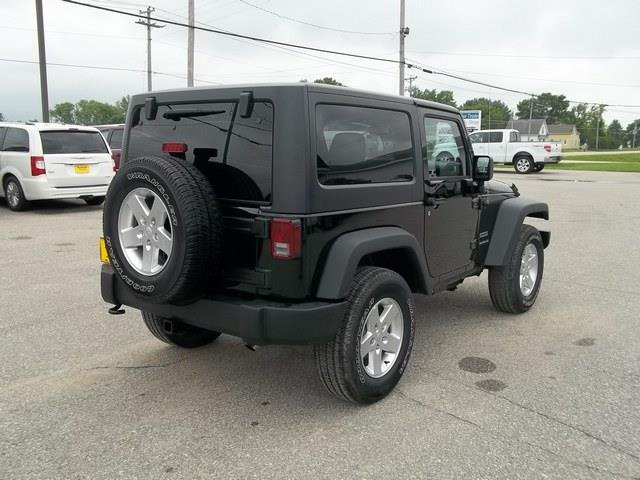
x=286, y=238
x=547, y=148
x=170, y=147
x=115, y=156
x=37, y=166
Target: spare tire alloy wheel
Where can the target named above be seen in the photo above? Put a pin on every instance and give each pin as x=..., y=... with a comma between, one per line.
x=162, y=229
x=144, y=231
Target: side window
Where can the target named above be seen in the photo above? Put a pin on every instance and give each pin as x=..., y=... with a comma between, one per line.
x=513, y=137
x=16, y=140
x=443, y=153
x=495, y=137
x=358, y=145
x=115, y=141
x=3, y=131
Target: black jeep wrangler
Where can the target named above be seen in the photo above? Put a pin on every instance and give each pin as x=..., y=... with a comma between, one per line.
x=308, y=214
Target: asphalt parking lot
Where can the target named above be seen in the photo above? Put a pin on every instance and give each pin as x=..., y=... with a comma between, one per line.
x=553, y=393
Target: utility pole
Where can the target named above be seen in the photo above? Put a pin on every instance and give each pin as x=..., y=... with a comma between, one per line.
x=404, y=31
x=410, y=79
x=44, y=90
x=635, y=132
x=190, y=41
x=530, y=117
x=149, y=24
x=600, y=109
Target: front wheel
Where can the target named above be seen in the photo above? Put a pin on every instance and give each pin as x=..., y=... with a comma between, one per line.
x=372, y=347
x=177, y=333
x=514, y=287
x=523, y=164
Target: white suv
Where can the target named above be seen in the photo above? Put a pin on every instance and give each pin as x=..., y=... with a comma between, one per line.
x=41, y=161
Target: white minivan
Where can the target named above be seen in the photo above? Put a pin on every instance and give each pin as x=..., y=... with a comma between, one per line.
x=41, y=161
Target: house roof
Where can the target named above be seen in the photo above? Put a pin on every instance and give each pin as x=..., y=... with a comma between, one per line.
x=561, y=129
x=523, y=125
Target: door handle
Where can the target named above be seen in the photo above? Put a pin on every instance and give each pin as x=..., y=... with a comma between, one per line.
x=434, y=201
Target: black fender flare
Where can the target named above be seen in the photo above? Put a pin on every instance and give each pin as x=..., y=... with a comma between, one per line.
x=348, y=250
x=511, y=214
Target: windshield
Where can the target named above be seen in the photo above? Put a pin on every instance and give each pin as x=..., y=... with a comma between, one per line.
x=67, y=141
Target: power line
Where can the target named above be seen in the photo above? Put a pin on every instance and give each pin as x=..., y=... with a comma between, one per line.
x=98, y=67
x=332, y=52
x=284, y=17
x=542, y=57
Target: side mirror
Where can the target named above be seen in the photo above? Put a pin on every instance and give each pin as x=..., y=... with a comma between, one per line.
x=482, y=168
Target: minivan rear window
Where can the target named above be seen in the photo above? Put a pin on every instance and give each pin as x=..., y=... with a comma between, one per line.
x=235, y=153
x=69, y=141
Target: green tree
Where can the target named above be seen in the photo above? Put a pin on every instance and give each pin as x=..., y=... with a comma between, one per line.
x=442, y=96
x=63, y=113
x=586, y=118
x=495, y=113
x=328, y=81
x=555, y=108
x=628, y=134
x=90, y=112
x=615, y=134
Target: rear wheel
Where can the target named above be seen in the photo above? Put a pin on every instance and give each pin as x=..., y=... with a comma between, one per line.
x=14, y=195
x=523, y=164
x=177, y=333
x=514, y=287
x=372, y=347
x=94, y=200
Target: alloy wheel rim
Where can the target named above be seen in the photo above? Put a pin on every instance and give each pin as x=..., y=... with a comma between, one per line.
x=13, y=194
x=381, y=338
x=144, y=231
x=528, y=269
x=523, y=165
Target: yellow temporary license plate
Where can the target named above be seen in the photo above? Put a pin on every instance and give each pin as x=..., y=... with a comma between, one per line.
x=81, y=168
x=104, y=256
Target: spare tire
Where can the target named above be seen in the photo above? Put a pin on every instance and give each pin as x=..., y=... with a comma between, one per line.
x=163, y=230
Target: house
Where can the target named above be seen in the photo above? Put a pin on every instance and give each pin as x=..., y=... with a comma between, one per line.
x=534, y=130
x=568, y=135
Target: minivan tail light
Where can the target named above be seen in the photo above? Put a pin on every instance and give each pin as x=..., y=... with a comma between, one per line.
x=37, y=166
x=171, y=147
x=115, y=156
x=547, y=148
x=286, y=238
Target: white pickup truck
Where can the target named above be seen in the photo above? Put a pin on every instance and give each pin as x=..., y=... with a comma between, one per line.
x=504, y=146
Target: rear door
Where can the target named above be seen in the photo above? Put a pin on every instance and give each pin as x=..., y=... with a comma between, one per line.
x=76, y=158
x=497, y=146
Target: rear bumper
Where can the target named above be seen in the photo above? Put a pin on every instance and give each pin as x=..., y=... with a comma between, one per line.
x=39, y=189
x=255, y=320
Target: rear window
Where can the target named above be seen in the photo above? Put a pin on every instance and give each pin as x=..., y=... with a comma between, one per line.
x=357, y=145
x=115, y=141
x=66, y=141
x=235, y=153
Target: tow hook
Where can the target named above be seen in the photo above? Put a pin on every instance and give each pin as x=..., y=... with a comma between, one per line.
x=116, y=310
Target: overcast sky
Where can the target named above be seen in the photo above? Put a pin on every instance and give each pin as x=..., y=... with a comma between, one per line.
x=585, y=49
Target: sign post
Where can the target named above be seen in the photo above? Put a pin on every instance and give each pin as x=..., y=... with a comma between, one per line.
x=472, y=119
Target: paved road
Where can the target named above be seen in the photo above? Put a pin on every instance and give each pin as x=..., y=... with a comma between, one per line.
x=87, y=395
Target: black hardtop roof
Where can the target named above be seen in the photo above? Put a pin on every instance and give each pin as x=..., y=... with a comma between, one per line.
x=311, y=87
